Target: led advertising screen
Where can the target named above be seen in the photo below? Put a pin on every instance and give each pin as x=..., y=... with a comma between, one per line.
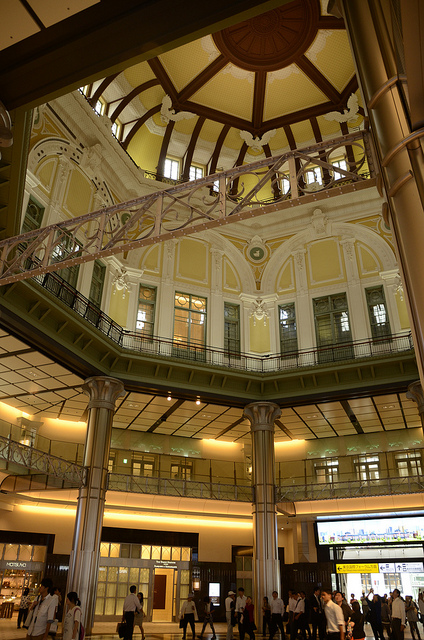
x=371, y=531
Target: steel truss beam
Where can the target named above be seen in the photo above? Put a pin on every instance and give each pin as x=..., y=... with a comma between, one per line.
x=183, y=209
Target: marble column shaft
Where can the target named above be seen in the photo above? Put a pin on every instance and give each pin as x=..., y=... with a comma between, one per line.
x=266, y=574
x=84, y=559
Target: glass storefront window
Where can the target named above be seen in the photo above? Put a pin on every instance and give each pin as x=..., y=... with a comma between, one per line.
x=144, y=576
x=125, y=551
x=100, y=605
x=184, y=588
x=123, y=574
x=110, y=606
x=104, y=550
x=176, y=553
x=101, y=589
x=111, y=590
x=134, y=571
x=39, y=554
x=11, y=551
x=123, y=590
x=102, y=574
x=184, y=576
x=166, y=553
x=186, y=554
x=112, y=574
x=136, y=551
x=114, y=550
x=156, y=553
x=145, y=552
x=25, y=552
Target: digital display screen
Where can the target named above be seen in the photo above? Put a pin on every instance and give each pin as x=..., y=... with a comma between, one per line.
x=371, y=531
x=214, y=592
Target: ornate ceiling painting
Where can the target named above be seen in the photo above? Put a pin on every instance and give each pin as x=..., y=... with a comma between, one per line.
x=274, y=82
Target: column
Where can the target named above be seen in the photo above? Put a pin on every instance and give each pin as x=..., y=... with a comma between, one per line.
x=216, y=306
x=358, y=312
x=266, y=573
x=398, y=146
x=84, y=560
x=165, y=303
x=415, y=392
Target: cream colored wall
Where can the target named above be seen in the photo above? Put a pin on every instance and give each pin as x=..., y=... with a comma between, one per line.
x=396, y=440
x=215, y=541
x=62, y=526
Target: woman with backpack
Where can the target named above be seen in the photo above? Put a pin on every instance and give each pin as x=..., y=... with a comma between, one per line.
x=72, y=622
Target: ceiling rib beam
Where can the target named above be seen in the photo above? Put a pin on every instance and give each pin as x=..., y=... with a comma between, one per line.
x=164, y=148
x=258, y=100
x=135, y=92
x=102, y=86
x=318, y=79
x=330, y=22
x=191, y=147
x=199, y=81
x=138, y=124
x=159, y=71
x=215, y=156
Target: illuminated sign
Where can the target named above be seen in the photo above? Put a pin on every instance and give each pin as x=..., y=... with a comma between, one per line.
x=371, y=531
x=370, y=567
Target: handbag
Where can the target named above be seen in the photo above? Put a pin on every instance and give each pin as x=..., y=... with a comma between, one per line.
x=121, y=629
x=181, y=623
x=53, y=628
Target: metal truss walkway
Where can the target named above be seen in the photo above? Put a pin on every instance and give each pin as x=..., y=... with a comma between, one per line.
x=271, y=184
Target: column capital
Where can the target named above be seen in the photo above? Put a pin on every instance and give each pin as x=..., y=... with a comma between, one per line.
x=415, y=393
x=262, y=415
x=103, y=391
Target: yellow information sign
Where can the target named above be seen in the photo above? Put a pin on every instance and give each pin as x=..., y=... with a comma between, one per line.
x=370, y=567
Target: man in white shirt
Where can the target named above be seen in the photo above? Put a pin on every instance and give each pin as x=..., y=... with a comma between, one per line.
x=229, y=605
x=398, y=615
x=240, y=604
x=188, y=614
x=43, y=612
x=334, y=617
x=131, y=605
x=277, y=612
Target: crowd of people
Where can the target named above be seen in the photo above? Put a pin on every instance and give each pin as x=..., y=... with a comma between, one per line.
x=41, y=616
x=326, y=615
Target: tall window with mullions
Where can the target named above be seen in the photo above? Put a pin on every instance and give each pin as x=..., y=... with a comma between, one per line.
x=145, y=322
x=288, y=329
x=189, y=326
x=332, y=327
x=377, y=311
x=232, y=328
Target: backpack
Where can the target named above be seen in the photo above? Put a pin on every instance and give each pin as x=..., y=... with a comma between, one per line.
x=81, y=627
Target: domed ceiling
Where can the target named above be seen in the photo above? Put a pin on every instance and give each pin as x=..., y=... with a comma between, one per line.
x=263, y=86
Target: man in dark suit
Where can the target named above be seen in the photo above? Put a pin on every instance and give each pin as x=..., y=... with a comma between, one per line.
x=317, y=615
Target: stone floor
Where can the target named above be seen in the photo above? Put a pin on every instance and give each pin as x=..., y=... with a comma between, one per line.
x=153, y=631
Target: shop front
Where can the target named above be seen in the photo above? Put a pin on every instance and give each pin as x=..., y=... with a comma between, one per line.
x=375, y=553
x=21, y=566
x=158, y=563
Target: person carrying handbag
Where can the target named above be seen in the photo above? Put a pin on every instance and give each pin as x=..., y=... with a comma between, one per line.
x=43, y=612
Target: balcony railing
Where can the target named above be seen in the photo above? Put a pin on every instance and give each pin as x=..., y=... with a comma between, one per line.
x=135, y=342
x=14, y=453
x=350, y=489
x=181, y=488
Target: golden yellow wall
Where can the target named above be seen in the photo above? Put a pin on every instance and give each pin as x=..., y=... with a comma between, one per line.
x=192, y=262
x=118, y=309
x=260, y=341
